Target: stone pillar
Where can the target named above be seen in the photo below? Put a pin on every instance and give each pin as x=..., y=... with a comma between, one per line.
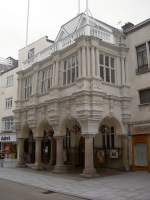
x=97, y=64
x=59, y=167
x=125, y=155
x=88, y=62
x=35, y=82
x=123, y=71
x=20, y=89
x=83, y=62
x=79, y=63
x=52, y=156
x=30, y=151
x=20, y=152
x=56, y=75
x=89, y=170
x=93, y=61
x=38, y=162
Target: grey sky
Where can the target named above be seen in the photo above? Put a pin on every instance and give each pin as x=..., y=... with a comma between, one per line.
x=47, y=16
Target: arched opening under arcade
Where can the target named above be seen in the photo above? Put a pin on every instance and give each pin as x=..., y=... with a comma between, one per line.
x=73, y=143
x=48, y=144
x=108, y=144
x=29, y=145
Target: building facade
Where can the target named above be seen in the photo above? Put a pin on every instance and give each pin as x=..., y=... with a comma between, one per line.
x=8, y=95
x=138, y=41
x=73, y=106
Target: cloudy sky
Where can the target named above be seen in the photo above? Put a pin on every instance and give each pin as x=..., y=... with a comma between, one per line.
x=47, y=16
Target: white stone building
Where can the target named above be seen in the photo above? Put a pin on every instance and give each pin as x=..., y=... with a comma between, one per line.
x=8, y=95
x=75, y=92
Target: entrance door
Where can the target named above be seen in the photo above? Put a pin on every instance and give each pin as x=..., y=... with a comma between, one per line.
x=140, y=152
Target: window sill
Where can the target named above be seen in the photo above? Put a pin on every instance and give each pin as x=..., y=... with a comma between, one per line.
x=142, y=71
x=144, y=104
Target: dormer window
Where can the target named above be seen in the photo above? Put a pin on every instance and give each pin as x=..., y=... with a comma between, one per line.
x=31, y=54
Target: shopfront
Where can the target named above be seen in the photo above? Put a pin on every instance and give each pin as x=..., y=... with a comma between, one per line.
x=8, y=146
x=141, y=149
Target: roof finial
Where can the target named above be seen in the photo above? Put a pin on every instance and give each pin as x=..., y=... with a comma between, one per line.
x=78, y=7
x=87, y=6
x=27, y=26
x=87, y=11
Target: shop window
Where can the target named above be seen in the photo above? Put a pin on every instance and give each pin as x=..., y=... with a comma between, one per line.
x=144, y=96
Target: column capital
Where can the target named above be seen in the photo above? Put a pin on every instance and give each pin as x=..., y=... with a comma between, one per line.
x=20, y=138
x=38, y=138
x=58, y=136
x=88, y=135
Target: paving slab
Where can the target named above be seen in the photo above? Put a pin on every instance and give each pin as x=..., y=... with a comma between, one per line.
x=129, y=185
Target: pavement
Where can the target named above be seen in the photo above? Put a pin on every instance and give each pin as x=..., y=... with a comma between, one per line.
x=24, y=192
x=123, y=186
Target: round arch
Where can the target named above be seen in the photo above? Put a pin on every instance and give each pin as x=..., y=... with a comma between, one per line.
x=69, y=123
x=25, y=131
x=44, y=126
x=111, y=121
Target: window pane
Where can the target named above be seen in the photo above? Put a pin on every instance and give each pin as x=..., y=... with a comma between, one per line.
x=112, y=141
x=73, y=75
x=107, y=60
x=112, y=76
x=68, y=76
x=144, y=96
x=112, y=62
x=145, y=61
x=101, y=59
x=142, y=55
x=107, y=75
x=103, y=140
x=108, y=142
x=102, y=72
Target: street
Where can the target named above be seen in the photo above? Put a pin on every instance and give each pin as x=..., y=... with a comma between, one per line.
x=13, y=191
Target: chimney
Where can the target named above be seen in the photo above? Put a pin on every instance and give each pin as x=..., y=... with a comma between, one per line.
x=127, y=26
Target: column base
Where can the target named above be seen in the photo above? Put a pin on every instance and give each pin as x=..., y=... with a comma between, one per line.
x=60, y=169
x=21, y=165
x=37, y=167
x=89, y=173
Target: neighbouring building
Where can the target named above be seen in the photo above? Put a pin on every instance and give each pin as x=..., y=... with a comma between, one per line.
x=74, y=104
x=138, y=62
x=8, y=94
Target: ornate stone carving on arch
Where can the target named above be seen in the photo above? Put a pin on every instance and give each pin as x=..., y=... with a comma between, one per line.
x=44, y=125
x=24, y=132
x=111, y=120
x=68, y=122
